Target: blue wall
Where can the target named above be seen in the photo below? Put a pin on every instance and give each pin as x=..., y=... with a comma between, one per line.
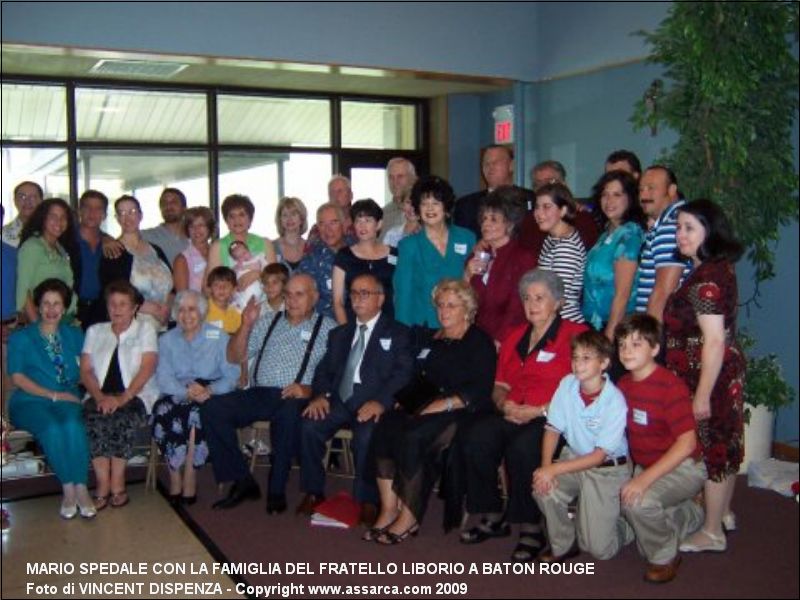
x=482, y=38
x=471, y=127
x=580, y=36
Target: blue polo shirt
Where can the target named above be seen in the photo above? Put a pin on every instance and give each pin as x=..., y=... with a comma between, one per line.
x=599, y=425
x=9, y=281
x=89, y=285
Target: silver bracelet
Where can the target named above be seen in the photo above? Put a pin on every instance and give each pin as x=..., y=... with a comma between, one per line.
x=449, y=404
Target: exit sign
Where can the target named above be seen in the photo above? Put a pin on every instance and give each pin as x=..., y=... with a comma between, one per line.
x=503, y=124
x=503, y=132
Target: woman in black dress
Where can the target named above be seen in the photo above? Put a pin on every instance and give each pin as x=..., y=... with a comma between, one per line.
x=367, y=255
x=409, y=443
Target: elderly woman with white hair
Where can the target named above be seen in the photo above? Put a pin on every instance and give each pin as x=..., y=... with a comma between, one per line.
x=192, y=367
x=533, y=359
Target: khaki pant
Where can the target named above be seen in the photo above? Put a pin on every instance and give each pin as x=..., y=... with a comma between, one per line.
x=667, y=512
x=599, y=528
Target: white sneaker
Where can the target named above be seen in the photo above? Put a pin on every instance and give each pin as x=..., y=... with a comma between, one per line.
x=729, y=522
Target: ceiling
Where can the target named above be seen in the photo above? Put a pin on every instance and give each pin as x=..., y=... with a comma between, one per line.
x=78, y=63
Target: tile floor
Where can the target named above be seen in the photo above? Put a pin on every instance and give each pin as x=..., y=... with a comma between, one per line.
x=147, y=530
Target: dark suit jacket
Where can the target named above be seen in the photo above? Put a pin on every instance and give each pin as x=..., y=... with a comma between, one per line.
x=387, y=366
x=466, y=211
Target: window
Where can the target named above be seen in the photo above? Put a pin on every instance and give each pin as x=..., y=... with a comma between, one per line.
x=34, y=112
x=378, y=125
x=45, y=166
x=126, y=115
x=274, y=121
x=121, y=138
x=266, y=178
x=144, y=174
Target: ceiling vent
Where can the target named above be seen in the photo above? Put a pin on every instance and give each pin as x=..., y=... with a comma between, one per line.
x=138, y=68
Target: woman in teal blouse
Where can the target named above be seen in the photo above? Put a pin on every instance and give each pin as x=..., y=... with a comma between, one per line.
x=43, y=364
x=609, y=279
x=48, y=249
x=437, y=251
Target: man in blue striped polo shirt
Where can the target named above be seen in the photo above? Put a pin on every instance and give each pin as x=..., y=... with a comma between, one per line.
x=660, y=272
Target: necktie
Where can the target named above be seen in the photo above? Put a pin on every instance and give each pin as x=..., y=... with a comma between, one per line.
x=356, y=352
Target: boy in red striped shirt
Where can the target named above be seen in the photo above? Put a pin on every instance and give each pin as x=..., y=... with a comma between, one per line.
x=658, y=500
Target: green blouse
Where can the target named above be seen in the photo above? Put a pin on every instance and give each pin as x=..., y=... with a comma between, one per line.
x=37, y=261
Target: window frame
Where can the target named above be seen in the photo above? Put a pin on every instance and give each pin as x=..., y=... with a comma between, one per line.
x=342, y=157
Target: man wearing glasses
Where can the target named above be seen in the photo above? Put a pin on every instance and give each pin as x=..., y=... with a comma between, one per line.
x=366, y=363
x=27, y=196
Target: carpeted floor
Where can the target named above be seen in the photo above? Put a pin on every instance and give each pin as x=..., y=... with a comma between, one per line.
x=761, y=561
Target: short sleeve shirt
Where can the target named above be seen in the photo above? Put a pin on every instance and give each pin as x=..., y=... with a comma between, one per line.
x=599, y=425
x=283, y=354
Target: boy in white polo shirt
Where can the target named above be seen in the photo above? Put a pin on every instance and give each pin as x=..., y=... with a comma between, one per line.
x=590, y=412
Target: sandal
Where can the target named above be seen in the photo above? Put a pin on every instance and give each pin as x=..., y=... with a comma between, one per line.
x=484, y=530
x=119, y=499
x=100, y=502
x=388, y=538
x=529, y=547
x=372, y=534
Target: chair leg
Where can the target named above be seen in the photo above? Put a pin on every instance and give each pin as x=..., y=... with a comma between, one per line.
x=326, y=461
x=152, y=466
x=349, y=461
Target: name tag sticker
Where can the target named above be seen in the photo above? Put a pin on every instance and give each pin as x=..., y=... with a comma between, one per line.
x=639, y=416
x=386, y=343
x=305, y=336
x=460, y=248
x=328, y=283
x=212, y=334
x=592, y=423
x=216, y=323
x=423, y=354
x=391, y=259
x=545, y=356
x=199, y=267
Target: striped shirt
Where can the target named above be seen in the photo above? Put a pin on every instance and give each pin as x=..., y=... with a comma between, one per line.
x=658, y=251
x=566, y=257
x=659, y=411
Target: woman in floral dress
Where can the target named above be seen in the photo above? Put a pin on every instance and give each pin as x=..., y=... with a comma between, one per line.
x=700, y=329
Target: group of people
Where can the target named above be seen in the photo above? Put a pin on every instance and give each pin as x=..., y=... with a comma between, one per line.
x=575, y=351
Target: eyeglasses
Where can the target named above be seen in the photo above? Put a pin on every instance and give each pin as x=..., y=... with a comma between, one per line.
x=22, y=196
x=449, y=305
x=363, y=294
x=126, y=212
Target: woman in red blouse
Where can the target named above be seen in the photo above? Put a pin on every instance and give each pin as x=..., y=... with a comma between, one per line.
x=498, y=262
x=533, y=360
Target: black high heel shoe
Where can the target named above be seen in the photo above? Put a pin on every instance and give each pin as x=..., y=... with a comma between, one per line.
x=387, y=538
x=188, y=500
x=174, y=499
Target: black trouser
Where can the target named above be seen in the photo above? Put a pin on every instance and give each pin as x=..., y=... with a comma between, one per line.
x=223, y=415
x=314, y=435
x=486, y=443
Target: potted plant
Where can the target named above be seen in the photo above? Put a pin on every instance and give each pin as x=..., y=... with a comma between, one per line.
x=765, y=391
